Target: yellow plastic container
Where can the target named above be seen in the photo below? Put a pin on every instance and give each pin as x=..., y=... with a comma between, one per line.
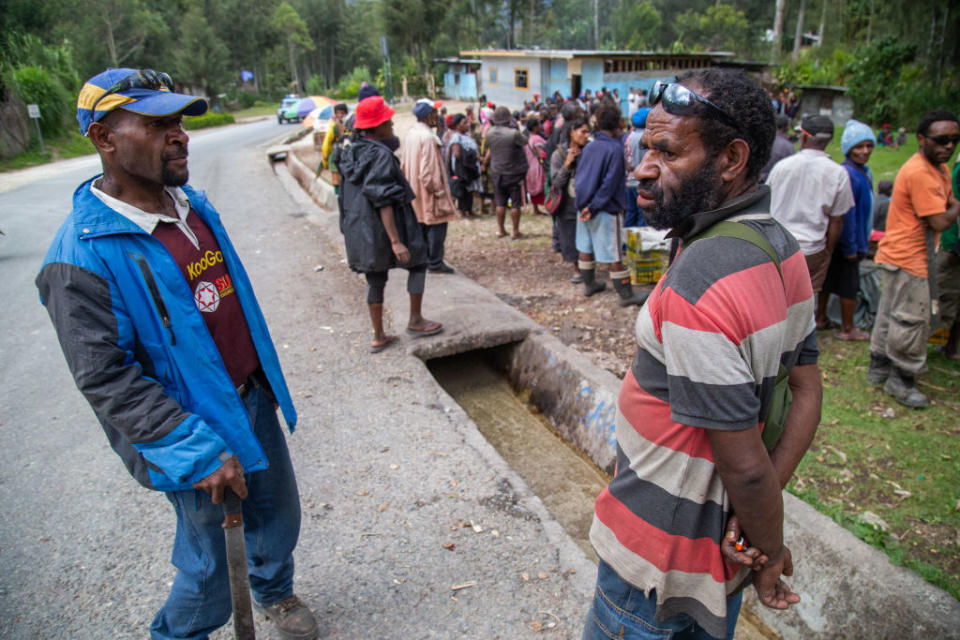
x=645, y=265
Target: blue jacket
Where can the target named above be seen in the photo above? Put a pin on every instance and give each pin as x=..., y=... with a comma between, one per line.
x=858, y=222
x=601, y=180
x=139, y=348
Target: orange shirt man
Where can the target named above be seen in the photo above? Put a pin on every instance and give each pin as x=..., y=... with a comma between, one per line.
x=921, y=207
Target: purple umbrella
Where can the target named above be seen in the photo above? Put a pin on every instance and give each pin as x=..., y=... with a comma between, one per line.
x=310, y=103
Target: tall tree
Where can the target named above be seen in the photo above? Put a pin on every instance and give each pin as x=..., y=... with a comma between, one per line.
x=293, y=30
x=777, y=46
x=798, y=36
x=202, y=59
x=635, y=25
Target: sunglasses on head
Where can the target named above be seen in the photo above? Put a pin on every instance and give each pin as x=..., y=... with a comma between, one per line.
x=945, y=140
x=141, y=79
x=681, y=101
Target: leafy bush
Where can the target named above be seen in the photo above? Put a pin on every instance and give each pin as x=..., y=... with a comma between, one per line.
x=810, y=69
x=209, y=119
x=36, y=85
x=316, y=85
x=874, y=78
x=349, y=85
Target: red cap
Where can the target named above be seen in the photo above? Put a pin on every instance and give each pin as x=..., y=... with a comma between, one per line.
x=437, y=104
x=372, y=112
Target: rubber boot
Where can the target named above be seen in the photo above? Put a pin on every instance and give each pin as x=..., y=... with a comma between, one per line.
x=902, y=386
x=879, y=369
x=627, y=295
x=590, y=285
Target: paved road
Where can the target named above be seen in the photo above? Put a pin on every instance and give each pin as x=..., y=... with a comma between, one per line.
x=388, y=465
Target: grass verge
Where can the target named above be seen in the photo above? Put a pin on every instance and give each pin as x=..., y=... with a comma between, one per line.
x=70, y=145
x=258, y=110
x=887, y=473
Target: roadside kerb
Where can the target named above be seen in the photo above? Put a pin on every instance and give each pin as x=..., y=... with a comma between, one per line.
x=849, y=589
x=320, y=191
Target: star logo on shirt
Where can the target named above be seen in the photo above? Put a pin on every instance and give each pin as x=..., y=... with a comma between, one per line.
x=207, y=297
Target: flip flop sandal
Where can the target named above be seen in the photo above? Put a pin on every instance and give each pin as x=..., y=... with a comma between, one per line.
x=377, y=348
x=429, y=330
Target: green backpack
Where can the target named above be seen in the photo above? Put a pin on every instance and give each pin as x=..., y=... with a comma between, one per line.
x=782, y=396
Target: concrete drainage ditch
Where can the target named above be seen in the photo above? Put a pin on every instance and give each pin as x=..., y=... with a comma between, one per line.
x=552, y=422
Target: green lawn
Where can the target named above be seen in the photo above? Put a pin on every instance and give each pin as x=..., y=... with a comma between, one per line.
x=258, y=110
x=885, y=161
x=871, y=454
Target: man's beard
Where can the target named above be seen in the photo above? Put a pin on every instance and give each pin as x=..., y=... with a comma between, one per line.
x=699, y=192
x=172, y=177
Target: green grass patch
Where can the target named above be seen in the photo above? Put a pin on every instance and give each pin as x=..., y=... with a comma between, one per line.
x=70, y=145
x=209, y=119
x=259, y=109
x=871, y=454
x=884, y=162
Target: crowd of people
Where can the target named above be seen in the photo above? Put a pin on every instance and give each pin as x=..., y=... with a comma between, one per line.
x=720, y=403
x=578, y=160
x=832, y=210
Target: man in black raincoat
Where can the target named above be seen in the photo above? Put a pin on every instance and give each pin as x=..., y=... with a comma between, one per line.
x=379, y=226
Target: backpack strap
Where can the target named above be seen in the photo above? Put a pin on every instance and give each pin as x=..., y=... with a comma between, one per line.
x=731, y=229
x=782, y=395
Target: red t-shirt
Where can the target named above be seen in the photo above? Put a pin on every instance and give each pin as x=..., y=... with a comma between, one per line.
x=213, y=292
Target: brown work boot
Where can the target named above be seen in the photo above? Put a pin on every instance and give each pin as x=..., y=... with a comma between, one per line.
x=292, y=617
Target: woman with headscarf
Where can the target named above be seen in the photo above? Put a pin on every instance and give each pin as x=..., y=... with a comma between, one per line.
x=536, y=157
x=378, y=223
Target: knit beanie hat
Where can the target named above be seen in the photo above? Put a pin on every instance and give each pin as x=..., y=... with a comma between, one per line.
x=854, y=133
x=366, y=90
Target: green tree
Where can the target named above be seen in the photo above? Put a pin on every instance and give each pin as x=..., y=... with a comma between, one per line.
x=720, y=28
x=873, y=76
x=636, y=25
x=201, y=59
x=123, y=27
x=291, y=27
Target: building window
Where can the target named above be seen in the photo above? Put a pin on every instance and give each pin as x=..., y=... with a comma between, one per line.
x=520, y=80
x=493, y=75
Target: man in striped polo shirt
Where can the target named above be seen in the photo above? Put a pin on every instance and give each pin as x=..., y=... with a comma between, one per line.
x=711, y=339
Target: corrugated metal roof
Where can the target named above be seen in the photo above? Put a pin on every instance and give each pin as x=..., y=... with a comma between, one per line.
x=568, y=54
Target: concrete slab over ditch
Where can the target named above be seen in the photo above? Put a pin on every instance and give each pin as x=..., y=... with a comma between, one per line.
x=849, y=589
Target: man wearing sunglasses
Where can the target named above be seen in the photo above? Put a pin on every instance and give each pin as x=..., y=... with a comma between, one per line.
x=164, y=337
x=921, y=207
x=711, y=340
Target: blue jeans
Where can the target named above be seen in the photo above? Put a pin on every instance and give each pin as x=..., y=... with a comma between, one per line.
x=199, y=602
x=620, y=610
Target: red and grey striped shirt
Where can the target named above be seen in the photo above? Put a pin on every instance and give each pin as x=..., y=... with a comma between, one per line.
x=711, y=338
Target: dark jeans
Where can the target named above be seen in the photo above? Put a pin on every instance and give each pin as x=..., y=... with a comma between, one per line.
x=634, y=216
x=435, y=236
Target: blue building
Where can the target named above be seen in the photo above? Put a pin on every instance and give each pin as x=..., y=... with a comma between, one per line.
x=511, y=76
x=461, y=77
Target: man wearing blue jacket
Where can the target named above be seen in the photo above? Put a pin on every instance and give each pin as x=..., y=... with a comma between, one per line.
x=600, y=185
x=164, y=337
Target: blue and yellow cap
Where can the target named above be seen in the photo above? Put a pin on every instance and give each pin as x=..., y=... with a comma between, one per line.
x=143, y=92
